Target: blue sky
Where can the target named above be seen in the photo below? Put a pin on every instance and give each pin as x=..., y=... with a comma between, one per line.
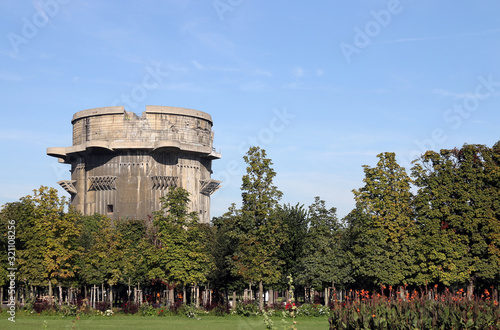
x=323, y=87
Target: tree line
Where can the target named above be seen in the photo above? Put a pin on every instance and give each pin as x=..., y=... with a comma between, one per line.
x=440, y=225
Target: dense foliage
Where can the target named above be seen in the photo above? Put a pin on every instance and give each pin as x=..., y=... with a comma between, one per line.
x=439, y=226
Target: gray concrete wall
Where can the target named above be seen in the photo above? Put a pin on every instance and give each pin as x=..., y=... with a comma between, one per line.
x=121, y=163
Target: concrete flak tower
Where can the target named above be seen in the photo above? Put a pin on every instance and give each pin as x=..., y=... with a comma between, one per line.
x=121, y=163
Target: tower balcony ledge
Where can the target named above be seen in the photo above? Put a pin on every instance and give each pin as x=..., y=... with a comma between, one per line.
x=64, y=152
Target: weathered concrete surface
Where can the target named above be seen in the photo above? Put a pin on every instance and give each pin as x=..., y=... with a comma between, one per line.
x=121, y=163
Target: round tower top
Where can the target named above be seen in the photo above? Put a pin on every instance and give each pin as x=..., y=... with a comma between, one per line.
x=149, y=109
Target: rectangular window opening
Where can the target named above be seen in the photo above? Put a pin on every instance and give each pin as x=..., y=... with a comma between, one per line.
x=110, y=208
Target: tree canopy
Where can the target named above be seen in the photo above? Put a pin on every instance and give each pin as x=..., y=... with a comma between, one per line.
x=441, y=225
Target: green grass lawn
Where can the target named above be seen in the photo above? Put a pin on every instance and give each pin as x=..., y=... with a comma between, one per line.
x=141, y=322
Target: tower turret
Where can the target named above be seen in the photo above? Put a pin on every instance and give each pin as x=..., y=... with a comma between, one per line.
x=121, y=163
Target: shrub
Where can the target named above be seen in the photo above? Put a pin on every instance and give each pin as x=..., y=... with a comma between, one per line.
x=147, y=310
x=174, y=308
x=42, y=306
x=217, y=308
x=69, y=310
x=313, y=310
x=220, y=310
x=190, y=311
x=130, y=307
x=247, y=308
x=28, y=306
x=210, y=305
x=277, y=307
x=443, y=312
x=164, y=312
x=102, y=306
x=81, y=302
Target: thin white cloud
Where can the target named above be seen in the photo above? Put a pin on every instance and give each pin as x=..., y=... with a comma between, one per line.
x=261, y=72
x=461, y=35
x=12, y=77
x=294, y=85
x=298, y=72
x=303, y=86
x=446, y=93
x=182, y=87
x=12, y=55
x=250, y=71
x=202, y=67
x=216, y=42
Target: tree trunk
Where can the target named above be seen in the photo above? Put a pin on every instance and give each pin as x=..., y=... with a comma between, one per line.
x=184, y=295
x=50, y=291
x=60, y=294
x=326, y=296
x=402, y=294
x=234, y=300
x=470, y=289
x=171, y=296
x=129, y=292
x=96, y=295
x=92, y=296
x=102, y=292
x=261, y=296
x=22, y=295
x=110, y=296
x=197, y=295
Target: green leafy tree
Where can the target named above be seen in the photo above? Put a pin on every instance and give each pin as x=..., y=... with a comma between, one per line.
x=102, y=259
x=136, y=249
x=358, y=244
x=260, y=238
x=49, y=240
x=182, y=256
x=294, y=225
x=386, y=239
x=457, y=206
x=12, y=223
x=323, y=262
x=223, y=247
